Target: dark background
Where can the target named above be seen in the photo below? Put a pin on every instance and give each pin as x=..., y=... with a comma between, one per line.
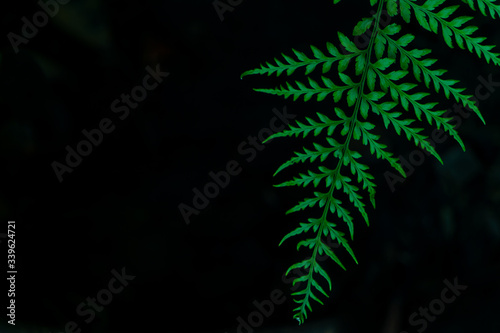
x=119, y=207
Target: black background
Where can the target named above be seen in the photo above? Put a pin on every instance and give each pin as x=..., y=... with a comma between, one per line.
x=119, y=207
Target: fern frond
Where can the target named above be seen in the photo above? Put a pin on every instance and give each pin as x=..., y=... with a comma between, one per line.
x=334, y=179
x=378, y=84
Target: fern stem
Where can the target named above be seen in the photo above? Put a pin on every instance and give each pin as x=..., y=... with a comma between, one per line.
x=336, y=172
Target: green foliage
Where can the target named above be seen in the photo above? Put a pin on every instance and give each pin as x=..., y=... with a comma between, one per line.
x=389, y=79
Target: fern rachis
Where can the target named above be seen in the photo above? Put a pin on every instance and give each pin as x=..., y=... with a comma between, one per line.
x=388, y=76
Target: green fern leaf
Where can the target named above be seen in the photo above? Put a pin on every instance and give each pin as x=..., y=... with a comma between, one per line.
x=493, y=9
x=430, y=20
x=387, y=80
